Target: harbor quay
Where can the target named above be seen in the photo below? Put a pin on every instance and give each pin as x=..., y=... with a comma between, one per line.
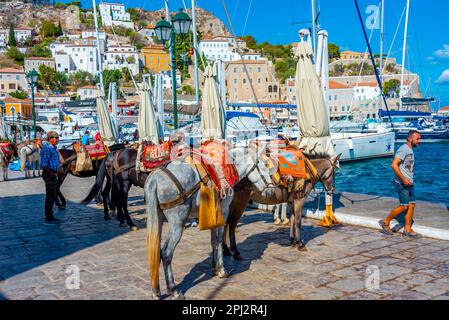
x=86, y=257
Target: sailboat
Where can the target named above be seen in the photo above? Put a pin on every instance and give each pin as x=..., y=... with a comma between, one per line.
x=349, y=139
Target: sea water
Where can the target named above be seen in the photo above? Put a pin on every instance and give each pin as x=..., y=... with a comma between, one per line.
x=375, y=176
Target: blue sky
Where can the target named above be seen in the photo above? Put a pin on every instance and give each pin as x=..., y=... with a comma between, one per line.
x=277, y=22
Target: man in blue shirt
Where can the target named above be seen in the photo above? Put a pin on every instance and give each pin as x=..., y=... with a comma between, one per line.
x=50, y=162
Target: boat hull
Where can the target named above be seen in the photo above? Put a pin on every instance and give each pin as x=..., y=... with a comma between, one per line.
x=425, y=136
x=354, y=147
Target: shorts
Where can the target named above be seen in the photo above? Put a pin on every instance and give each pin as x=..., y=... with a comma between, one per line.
x=406, y=193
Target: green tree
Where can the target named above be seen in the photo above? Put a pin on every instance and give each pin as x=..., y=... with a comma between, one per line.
x=81, y=78
x=48, y=79
x=110, y=76
x=48, y=29
x=392, y=86
x=16, y=55
x=250, y=42
x=39, y=50
x=19, y=94
x=11, y=36
x=334, y=51
x=59, y=30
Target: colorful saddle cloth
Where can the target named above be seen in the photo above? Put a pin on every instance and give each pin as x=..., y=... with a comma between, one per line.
x=97, y=150
x=5, y=148
x=218, y=164
x=155, y=155
x=292, y=162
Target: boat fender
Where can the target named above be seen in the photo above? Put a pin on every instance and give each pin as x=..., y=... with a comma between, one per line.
x=350, y=144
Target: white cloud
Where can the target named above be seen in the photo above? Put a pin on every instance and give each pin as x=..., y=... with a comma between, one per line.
x=431, y=60
x=444, y=77
x=443, y=53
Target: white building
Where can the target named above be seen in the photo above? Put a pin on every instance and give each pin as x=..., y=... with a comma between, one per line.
x=252, y=56
x=87, y=92
x=20, y=33
x=218, y=50
x=148, y=32
x=167, y=81
x=70, y=57
x=124, y=56
x=366, y=91
x=115, y=14
x=92, y=33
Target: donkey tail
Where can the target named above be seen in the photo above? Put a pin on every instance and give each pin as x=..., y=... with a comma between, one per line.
x=101, y=175
x=153, y=233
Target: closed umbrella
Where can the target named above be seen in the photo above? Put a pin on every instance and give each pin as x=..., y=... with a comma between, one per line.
x=213, y=123
x=149, y=127
x=107, y=130
x=313, y=115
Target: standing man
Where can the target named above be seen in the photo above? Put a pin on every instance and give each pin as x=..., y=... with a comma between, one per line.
x=403, y=167
x=50, y=162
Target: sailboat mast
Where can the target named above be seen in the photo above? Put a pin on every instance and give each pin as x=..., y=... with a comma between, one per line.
x=195, y=53
x=403, y=52
x=100, y=64
x=314, y=27
x=382, y=3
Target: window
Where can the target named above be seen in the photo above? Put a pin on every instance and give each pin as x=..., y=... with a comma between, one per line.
x=270, y=89
x=335, y=97
x=12, y=86
x=244, y=81
x=259, y=80
x=342, y=109
x=235, y=81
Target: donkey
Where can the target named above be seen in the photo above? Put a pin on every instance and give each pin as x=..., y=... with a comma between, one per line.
x=173, y=193
x=326, y=168
x=5, y=159
x=29, y=153
x=69, y=166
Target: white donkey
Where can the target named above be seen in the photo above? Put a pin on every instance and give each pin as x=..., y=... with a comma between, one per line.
x=30, y=152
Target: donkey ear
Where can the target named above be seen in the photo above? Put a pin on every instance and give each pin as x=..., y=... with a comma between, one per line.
x=336, y=158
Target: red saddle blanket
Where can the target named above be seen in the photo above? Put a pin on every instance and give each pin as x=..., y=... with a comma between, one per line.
x=155, y=155
x=96, y=151
x=5, y=147
x=291, y=162
x=218, y=163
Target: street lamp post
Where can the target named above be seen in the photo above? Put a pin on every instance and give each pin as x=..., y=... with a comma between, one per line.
x=166, y=31
x=13, y=110
x=32, y=80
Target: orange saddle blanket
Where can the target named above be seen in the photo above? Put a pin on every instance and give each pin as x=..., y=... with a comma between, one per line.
x=5, y=147
x=155, y=155
x=291, y=162
x=218, y=163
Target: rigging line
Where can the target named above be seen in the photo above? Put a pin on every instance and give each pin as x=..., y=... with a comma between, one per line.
x=392, y=43
x=379, y=82
x=235, y=10
x=247, y=16
x=244, y=64
x=359, y=78
x=127, y=63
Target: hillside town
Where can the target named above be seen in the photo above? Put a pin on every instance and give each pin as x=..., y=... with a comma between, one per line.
x=62, y=48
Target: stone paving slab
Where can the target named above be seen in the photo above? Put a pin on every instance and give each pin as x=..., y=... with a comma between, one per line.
x=36, y=261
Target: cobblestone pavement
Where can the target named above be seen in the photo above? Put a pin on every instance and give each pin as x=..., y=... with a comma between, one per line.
x=36, y=260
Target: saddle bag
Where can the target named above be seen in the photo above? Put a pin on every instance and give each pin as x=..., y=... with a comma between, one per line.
x=210, y=214
x=96, y=151
x=5, y=148
x=83, y=161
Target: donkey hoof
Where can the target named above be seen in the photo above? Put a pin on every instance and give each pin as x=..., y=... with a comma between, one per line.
x=302, y=247
x=123, y=224
x=277, y=222
x=156, y=296
x=222, y=274
x=107, y=217
x=177, y=296
x=294, y=243
x=61, y=207
x=133, y=228
x=285, y=222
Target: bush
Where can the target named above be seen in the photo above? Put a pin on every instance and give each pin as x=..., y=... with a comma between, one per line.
x=16, y=55
x=19, y=94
